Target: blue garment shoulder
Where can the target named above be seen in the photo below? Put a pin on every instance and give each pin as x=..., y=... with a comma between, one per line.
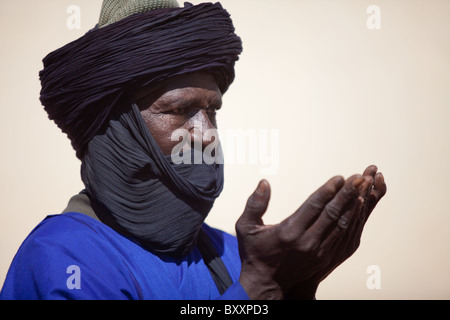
x=73, y=256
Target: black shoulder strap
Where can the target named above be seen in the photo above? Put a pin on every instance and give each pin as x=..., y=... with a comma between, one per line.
x=215, y=265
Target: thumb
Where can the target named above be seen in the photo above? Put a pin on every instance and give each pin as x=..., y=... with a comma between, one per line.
x=256, y=205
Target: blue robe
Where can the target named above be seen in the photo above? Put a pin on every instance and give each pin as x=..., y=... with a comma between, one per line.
x=73, y=256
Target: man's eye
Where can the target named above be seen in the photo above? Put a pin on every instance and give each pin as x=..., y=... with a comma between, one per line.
x=179, y=111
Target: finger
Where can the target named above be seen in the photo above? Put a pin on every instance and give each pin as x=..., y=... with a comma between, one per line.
x=353, y=234
x=348, y=238
x=308, y=212
x=345, y=225
x=370, y=171
x=366, y=190
x=378, y=192
x=363, y=214
x=256, y=205
x=335, y=208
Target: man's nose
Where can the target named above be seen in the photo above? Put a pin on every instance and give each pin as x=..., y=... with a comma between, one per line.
x=200, y=129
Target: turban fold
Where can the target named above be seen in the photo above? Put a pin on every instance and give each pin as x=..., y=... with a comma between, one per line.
x=85, y=80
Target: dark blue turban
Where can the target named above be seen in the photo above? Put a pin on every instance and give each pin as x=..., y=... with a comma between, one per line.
x=85, y=80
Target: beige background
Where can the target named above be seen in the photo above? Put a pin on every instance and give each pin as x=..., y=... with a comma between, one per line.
x=342, y=97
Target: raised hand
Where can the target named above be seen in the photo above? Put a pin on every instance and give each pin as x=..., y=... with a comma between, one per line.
x=291, y=258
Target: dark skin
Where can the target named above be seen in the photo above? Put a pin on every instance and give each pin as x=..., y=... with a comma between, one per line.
x=184, y=102
x=290, y=259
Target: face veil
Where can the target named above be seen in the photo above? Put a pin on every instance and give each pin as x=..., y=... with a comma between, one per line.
x=139, y=191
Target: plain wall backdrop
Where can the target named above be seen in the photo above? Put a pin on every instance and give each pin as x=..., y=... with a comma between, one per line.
x=339, y=95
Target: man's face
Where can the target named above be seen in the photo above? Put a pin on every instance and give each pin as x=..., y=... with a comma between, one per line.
x=187, y=102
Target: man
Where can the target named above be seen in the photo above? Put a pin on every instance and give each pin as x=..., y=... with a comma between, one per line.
x=149, y=69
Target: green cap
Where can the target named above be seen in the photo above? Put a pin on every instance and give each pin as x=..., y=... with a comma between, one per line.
x=116, y=10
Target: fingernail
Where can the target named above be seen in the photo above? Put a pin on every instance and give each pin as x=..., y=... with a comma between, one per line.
x=261, y=189
x=381, y=176
x=358, y=182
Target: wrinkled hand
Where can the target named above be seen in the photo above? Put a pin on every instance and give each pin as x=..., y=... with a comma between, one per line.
x=290, y=259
